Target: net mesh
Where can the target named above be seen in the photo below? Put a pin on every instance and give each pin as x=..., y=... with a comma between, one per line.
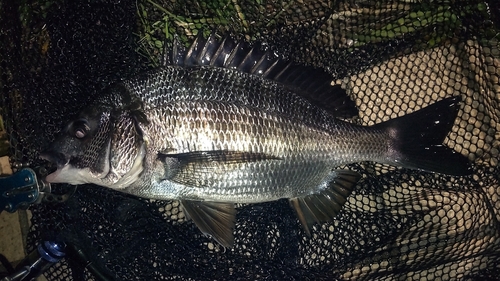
x=392, y=57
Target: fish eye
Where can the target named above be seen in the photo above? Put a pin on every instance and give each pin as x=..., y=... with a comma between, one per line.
x=80, y=128
x=80, y=133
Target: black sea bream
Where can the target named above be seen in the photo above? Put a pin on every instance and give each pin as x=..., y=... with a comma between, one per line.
x=224, y=123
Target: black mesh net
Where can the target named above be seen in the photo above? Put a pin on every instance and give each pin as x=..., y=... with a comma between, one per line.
x=393, y=57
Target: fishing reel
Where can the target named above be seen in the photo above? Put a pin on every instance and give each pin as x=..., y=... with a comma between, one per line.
x=19, y=191
x=27, y=187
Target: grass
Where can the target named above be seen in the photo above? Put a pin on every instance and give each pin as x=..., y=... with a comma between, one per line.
x=161, y=20
x=440, y=22
x=159, y=25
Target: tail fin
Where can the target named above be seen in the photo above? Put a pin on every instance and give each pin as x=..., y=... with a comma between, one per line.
x=417, y=139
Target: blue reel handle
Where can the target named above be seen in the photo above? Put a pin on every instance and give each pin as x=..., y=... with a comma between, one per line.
x=19, y=190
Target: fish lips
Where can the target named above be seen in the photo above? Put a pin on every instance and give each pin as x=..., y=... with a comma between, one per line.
x=60, y=161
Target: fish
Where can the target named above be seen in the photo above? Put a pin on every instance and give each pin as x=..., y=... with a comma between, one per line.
x=224, y=122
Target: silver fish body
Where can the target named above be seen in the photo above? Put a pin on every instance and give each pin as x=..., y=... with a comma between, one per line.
x=212, y=135
x=298, y=146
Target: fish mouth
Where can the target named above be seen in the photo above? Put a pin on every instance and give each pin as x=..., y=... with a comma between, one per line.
x=60, y=162
x=69, y=172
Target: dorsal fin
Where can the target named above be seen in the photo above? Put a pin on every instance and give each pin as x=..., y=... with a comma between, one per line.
x=314, y=84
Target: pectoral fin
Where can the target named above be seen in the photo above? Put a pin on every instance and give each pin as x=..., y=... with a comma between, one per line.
x=324, y=206
x=214, y=219
x=218, y=156
x=197, y=168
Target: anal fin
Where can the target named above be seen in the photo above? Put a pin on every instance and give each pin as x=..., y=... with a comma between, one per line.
x=324, y=206
x=214, y=219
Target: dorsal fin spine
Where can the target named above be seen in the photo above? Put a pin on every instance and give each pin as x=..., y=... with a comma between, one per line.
x=200, y=58
x=278, y=76
x=248, y=62
x=256, y=67
x=219, y=55
x=190, y=51
x=270, y=68
x=230, y=59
